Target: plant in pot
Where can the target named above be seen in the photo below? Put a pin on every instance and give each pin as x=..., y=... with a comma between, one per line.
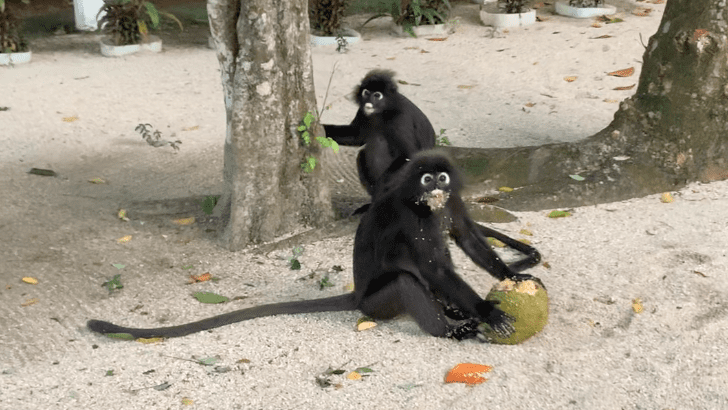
x=584, y=8
x=413, y=16
x=507, y=13
x=126, y=26
x=13, y=47
x=326, y=18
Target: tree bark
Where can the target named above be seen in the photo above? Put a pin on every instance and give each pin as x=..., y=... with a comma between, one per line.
x=267, y=77
x=672, y=131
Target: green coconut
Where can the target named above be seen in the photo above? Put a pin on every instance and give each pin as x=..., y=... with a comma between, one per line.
x=527, y=302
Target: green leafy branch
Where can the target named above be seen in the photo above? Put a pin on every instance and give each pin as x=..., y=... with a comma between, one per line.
x=308, y=127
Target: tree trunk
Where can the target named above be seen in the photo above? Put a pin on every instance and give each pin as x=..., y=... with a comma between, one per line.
x=267, y=77
x=672, y=131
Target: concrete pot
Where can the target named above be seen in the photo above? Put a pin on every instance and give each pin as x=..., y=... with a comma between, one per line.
x=563, y=8
x=154, y=45
x=15, y=58
x=425, y=30
x=349, y=35
x=492, y=16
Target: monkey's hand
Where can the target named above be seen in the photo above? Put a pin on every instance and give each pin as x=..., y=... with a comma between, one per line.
x=498, y=320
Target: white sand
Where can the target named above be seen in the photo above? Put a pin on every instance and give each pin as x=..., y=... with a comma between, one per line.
x=594, y=354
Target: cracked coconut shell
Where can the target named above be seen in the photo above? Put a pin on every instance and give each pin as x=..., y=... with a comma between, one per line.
x=527, y=302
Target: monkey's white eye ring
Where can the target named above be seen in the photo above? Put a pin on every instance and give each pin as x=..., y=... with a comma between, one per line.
x=378, y=95
x=426, y=179
x=365, y=93
x=443, y=178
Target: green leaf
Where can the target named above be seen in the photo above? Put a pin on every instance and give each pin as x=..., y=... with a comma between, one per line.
x=306, y=137
x=559, y=214
x=364, y=370
x=209, y=297
x=209, y=204
x=295, y=264
x=124, y=336
x=301, y=128
x=577, y=177
x=114, y=283
x=118, y=265
x=153, y=13
x=308, y=119
x=208, y=361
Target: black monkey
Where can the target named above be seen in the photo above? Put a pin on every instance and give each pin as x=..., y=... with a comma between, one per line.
x=401, y=262
x=388, y=125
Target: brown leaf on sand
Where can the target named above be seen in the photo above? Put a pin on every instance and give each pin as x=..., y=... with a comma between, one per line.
x=570, y=79
x=624, y=88
x=437, y=39
x=622, y=73
x=601, y=37
x=468, y=373
x=642, y=12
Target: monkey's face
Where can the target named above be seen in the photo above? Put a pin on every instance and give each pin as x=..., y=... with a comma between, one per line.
x=436, y=187
x=372, y=102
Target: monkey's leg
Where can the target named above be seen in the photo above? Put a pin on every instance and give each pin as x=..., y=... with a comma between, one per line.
x=406, y=295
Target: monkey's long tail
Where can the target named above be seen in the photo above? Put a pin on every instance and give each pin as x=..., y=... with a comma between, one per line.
x=332, y=304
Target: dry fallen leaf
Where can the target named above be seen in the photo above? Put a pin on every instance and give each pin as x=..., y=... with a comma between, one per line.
x=642, y=12
x=29, y=280
x=465, y=87
x=570, y=79
x=624, y=88
x=29, y=302
x=602, y=36
x=526, y=232
x=97, y=180
x=124, y=239
x=353, y=376
x=185, y=221
x=70, y=119
x=666, y=198
x=192, y=128
x=505, y=189
x=150, y=340
x=365, y=326
x=637, y=305
x=530, y=104
x=622, y=73
x=699, y=33
x=186, y=401
x=437, y=39
x=469, y=373
x=122, y=215
x=200, y=278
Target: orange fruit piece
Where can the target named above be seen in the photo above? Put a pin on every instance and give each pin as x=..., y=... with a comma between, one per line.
x=468, y=373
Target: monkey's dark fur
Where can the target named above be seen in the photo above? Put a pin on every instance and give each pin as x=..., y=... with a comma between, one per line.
x=401, y=261
x=387, y=123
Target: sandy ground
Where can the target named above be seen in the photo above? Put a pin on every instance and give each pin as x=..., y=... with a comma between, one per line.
x=74, y=111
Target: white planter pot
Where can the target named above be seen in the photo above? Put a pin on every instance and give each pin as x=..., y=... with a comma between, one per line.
x=492, y=16
x=109, y=50
x=15, y=58
x=349, y=35
x=563, y=8
x=426, y=30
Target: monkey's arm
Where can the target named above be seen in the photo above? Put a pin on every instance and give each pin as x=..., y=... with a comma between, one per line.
x=532, y=256
x=348, y=135
x=470, y=238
